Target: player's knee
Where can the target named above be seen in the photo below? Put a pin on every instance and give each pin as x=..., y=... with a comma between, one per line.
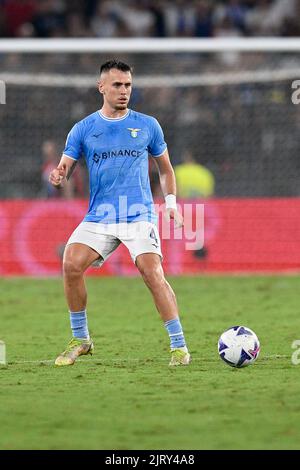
x=153, y=277
x=72, y=268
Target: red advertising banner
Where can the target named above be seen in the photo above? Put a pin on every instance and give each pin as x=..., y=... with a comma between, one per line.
x=240, y=235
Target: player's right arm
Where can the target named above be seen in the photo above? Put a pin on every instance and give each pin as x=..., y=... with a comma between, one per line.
x=62, y=172
x=72, y=153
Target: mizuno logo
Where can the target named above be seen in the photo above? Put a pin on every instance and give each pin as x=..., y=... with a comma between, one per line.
x=97, y=135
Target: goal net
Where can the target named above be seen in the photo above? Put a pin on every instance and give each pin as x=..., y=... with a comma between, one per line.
x=230, y=107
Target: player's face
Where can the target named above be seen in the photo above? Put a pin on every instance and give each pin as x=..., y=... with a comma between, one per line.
x=115, y=87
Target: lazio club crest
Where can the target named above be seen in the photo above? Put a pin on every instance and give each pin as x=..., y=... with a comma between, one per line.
x=133, y=132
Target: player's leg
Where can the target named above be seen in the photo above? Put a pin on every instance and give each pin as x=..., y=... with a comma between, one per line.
x=77, y=258
x=149, y=265
x=89, y=243
x=143, y=242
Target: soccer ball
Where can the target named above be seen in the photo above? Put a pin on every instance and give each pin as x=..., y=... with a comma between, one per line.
x=238, y=346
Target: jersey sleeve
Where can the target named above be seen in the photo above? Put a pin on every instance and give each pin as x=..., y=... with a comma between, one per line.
x=157, y=144
x=73, y=147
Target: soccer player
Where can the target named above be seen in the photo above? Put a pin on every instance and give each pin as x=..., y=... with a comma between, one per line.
x=116, y=142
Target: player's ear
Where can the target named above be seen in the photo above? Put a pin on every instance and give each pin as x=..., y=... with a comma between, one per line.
x=100, y=87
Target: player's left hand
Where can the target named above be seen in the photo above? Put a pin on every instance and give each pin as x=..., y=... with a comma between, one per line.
x=174, y=214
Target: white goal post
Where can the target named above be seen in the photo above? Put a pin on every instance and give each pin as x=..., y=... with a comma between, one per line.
x=146, y=45
x=153, y=46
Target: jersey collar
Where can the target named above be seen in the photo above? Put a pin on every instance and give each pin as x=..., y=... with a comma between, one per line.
x=113, y=119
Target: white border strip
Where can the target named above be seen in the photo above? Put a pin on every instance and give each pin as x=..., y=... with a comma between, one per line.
x=153, y=45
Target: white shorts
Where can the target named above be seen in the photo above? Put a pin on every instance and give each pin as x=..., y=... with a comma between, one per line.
x=138, y=237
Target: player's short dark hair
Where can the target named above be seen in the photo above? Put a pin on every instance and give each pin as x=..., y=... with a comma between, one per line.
x=115, y=64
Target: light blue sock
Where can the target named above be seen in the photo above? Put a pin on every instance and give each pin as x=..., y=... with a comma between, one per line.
x=174, y=329
x=79, y=324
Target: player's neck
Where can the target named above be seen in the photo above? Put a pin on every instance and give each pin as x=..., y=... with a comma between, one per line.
x=113, y=113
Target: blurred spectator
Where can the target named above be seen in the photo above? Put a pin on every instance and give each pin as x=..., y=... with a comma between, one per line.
x=193, y=179
x=157, y=9
x=49, y=19
x=73, y=188
x=236, y=11
x=50, y=160
x=26, y=30
x=144, y=18
x=225, y=28
x=76, y=26
x=2, y=21
x=203, y=22
x=16, y=13
x=180, y=18
x=138, y=19
x=268, y=18
x=105, y=21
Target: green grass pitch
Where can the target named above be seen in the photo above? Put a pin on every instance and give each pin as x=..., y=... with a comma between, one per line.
x=126, y=396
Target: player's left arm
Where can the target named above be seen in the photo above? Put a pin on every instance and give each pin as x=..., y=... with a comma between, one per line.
x=168, y=185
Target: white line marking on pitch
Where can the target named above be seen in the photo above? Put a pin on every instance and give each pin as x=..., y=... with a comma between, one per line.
x=110, y=361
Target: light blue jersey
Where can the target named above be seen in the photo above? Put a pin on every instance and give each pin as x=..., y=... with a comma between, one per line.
x=116, y=153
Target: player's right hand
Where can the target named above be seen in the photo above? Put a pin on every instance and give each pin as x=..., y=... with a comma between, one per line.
x=57, y=176
x=174, y=214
